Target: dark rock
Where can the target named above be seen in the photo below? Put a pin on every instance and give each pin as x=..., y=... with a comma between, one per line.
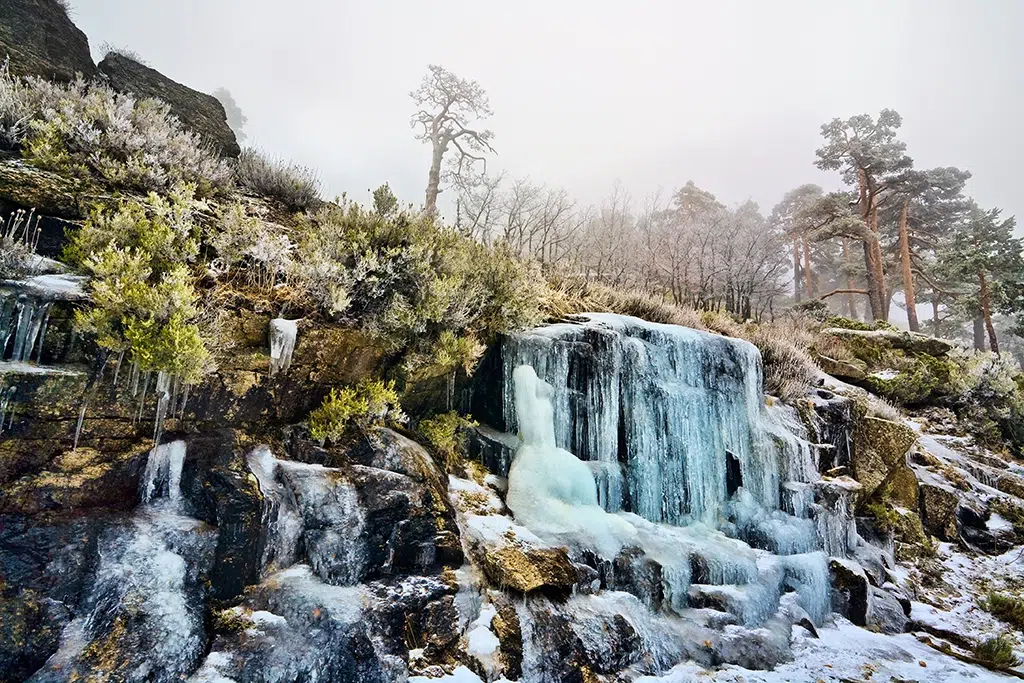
x=30, y=629
x=25, y=187
x=850, y=590
x=509, y=632
x=222, y=492
x=41, y=40
x=886, y=613
x=492, y=448
x=198, y=111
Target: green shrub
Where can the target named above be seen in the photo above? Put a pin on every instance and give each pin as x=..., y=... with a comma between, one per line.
x=1005, y=608
x=369, y=404
x=295, y=186
x=151, y=318
x=444, y=434
x=997, y=653
x=89, y=130
x=142, y=299
x=162, y=228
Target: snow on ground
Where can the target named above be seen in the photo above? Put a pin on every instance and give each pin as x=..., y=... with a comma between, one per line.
x=845, y=653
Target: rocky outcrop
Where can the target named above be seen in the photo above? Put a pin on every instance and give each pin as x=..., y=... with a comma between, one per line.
x=41, y=40
x=526, y=569
x=881, y=340
x=880, y=453
x=198, y=111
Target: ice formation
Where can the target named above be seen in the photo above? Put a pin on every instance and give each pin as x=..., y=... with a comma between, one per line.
x=550, y=490
x=147, y=576
x=687, y=467
x=282, y=343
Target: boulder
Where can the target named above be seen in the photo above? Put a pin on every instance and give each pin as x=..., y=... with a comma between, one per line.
x=198, y=111
x=850, y=590
x=879, y=449
x=885, y=612
x=939, y=502
x=41, y=40
x=852, y=369
x=526, y=568
x=902, y=340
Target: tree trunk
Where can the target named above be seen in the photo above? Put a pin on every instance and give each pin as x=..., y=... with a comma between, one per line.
x=872, y=252
x=986, y=311
x=812, y=291
x=874, y=295
x=883, y=296
x=796, y=268
x=851, y=301
x=908, y=274
x=434, y=179
x=979, y=334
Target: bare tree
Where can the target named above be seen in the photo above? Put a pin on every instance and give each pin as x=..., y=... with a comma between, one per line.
x=449, y=105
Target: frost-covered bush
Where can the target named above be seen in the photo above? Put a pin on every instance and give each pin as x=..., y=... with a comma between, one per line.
x=987, y=394
x=408, y=280
x=90, y=130
x=18, y=239
x=297, y=187
x=370, y=403
x=15, y=110
x=246, y=245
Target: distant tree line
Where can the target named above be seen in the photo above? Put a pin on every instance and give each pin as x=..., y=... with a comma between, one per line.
x=891, y=234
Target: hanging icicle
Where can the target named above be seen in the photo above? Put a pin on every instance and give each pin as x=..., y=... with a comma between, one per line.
x=78, y=425
x=282, y=343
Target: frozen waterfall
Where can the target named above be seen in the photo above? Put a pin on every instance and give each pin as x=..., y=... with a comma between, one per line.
x=715, y=487
x=679, y=411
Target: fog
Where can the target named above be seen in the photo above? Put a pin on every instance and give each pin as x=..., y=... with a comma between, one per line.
x=651, y=94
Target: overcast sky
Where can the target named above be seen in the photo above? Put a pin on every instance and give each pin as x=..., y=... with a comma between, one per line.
x=587, y=92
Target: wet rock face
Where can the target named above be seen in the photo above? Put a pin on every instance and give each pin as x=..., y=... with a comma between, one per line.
x=41, y=40
x=198, y=111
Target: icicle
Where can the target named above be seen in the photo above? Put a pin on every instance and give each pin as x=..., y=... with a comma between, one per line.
x=184, y=402
x=42, y=336
x=71, y=344
x=134, y=380
x=78, y=425
x=282, y=343
x=163, y=381
x=6, y=403
x=142, y=401
x=117, y=367
x=162, y=478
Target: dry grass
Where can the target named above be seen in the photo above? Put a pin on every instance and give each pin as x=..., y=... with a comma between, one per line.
x=296, y=186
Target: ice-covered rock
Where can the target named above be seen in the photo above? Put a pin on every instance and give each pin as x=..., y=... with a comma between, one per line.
x=282, y=344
